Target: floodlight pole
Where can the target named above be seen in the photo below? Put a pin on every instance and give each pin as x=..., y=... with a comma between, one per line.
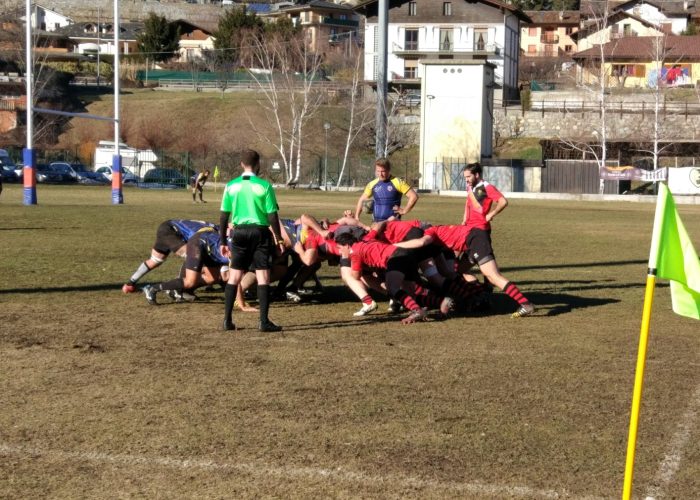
x=117, y=195
x=28, y=154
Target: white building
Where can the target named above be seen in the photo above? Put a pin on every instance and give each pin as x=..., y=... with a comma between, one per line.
x=435, y=29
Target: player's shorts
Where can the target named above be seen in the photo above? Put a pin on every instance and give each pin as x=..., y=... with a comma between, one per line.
x=479, y=248
x=251, y=247
x=198, y=255
x=413, y=234
x=404, y=261
x=168, y=239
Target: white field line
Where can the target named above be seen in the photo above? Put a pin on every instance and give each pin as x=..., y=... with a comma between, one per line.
x=289, y=472
x=674, y=453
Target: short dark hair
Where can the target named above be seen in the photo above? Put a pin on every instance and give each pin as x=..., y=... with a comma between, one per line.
x=345, y=239
x=250, y=158
x=474, y=168
x=383, y=162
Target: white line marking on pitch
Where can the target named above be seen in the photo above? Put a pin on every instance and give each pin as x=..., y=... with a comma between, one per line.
x=672, y=460
x=257, y=469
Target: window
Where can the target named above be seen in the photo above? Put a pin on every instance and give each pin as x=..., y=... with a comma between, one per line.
x=532, y=31
x=411, y=39
x=481, y=36
x=568, y=48
x=410, y=68
x=627, y=29
x=532, y=49
x=569, y=30
x=411, y=8
x=624, y=70
x=447, y=8
x=446, y=40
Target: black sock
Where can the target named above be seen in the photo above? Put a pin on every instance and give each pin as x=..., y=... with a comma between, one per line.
x=229, y=298
x=264, y=302
x=177, y=284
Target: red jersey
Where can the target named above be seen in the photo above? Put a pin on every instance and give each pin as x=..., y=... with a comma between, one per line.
x=323, y=245
x=479, y=201
x=370, y=254
x=452, y=237
x=395, y=231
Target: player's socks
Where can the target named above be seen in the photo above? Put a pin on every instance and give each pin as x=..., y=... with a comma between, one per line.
x=425, y=298
x=406, y=300
x=513, y=292
x=177, y=284
x=143, y=269
x=229, y=298
x=367, y=300
x=264, y=302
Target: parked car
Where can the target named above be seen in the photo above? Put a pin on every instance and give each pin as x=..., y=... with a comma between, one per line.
x=410, y=99
x=127, y=177
x=86, y=176
x=168, y=176
x=64, y=170
x=45, y=175
x=8, y=174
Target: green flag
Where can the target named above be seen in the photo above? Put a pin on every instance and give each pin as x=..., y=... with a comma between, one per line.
x=673, y=256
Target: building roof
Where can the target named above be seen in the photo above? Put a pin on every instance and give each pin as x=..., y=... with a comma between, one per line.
x=669, y=7
x=127, y=30
x=493, y=3
x=317, y=4
x=554, y=17
x=642, y=48
x=591, y=27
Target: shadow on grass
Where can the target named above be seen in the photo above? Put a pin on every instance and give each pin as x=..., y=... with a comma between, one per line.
x=505, y=270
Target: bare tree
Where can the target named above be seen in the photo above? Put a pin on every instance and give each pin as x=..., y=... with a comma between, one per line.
x=290, y=92
x=597, y=87
x=360, y=114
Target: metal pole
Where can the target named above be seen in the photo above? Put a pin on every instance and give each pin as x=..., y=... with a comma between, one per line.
x=99, y=29
x=382, y=33
x=326, y=128
x=28, y=154
x=117, y=195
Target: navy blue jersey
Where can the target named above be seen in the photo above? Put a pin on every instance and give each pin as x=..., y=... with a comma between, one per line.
x=386, y=195
x=186, y=228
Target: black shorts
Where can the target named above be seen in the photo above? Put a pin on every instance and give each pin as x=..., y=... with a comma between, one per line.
x=404, y=261
x=168, y=239
x=479, y=248
x=413, y=234
x=198, y=255
x=251, y=247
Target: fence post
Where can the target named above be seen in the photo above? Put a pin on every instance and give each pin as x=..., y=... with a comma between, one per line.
x=643, y=107
x=686, y=110
x=542, y=108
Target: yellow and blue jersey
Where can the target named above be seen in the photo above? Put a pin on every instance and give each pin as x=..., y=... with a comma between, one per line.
x=386, y=194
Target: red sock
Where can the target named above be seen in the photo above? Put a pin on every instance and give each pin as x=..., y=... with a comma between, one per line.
x=367, y=299
x=406, y=300
x=513, y=292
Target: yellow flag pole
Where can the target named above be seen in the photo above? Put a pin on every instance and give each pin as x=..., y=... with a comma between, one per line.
x=638, y=383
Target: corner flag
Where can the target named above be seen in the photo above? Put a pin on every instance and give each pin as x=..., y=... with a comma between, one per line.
x=216, y=173
x=673, y=256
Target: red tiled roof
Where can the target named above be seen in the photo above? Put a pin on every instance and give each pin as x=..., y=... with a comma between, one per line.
x=642, y=48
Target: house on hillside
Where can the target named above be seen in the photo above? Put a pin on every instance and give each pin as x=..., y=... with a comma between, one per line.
x=327, y=26
x=549, y=33
x=620, y=24
x=48, y=20
x=434, y=29
x=671, y=17
x=193, y=41
x=668, y=60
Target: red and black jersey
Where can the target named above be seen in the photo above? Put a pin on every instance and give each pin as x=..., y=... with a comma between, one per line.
x=370, y=254
x=323, y=245
x=479, y=201
x=396, y=231
x=452, y=237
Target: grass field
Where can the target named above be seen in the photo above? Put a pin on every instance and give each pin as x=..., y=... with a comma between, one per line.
x=105, y=396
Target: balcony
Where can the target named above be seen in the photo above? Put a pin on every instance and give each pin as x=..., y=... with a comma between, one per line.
x=340, y=22
x=549, y=38
x=487, y=49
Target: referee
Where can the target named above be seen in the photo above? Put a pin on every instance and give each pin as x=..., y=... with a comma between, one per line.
x=250, y=204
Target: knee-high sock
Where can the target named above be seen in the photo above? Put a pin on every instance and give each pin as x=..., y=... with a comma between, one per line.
x=264, y=302
x=406, y=300
x=177, y=284
x=143, y=269
x=229, y=298
x=513, y=292
x=426, y=298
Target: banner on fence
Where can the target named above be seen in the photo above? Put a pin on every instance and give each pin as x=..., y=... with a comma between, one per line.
x=629, y=173
x=684, y=180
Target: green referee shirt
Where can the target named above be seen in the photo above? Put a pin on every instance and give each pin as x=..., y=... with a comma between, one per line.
x=249, y=199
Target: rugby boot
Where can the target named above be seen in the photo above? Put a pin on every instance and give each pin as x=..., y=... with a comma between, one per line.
x=150, y=294
x=525, y=309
